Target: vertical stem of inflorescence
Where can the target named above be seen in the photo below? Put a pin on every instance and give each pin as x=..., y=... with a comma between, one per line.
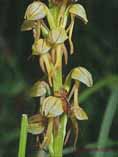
x=58, y=139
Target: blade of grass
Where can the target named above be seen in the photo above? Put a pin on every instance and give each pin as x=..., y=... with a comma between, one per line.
x=107, y=121
x=23, y=136
x=108, y=81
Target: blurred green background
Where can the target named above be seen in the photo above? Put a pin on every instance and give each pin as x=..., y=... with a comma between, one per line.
x=96, y=48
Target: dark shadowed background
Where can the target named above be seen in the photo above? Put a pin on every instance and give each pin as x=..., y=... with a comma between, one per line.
x=96, y=48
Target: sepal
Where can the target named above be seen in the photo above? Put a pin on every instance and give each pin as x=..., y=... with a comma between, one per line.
x=52, y=107
x=80, y=74
x=78, y=113
x=35, y=11
x=40, y=88
x=27, y=25
x=79, y=11
x=36, y=124
x=40, y=47
x=57, y=36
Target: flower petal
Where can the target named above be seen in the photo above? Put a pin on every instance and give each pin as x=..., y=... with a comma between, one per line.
x=37, y=118
x=36, y=124
x=78, y=10
x=79, y=74
x=83, y=75
x=57, y=36
x=27, y=25
x=40, y=88
x=35, y=11
x=36, y=128
x=40, y=47
x=52, y=107
x=79, y=113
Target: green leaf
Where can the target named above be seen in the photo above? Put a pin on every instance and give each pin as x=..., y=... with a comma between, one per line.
x=78, y=10
x=79, y=113
x=52, y=107
x=40, y=47
x=35, y=11
x=23, y=136
x=57, y=36
x=108, y=118
x=27, y=25
x=40, y=88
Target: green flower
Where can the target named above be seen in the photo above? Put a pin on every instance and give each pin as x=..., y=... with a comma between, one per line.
x=35, y=11
x=52, y=107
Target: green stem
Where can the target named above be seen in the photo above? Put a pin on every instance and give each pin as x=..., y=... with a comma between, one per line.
x=23, y=136
x=50, y=19
x=58, y=140
x=57, y=83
